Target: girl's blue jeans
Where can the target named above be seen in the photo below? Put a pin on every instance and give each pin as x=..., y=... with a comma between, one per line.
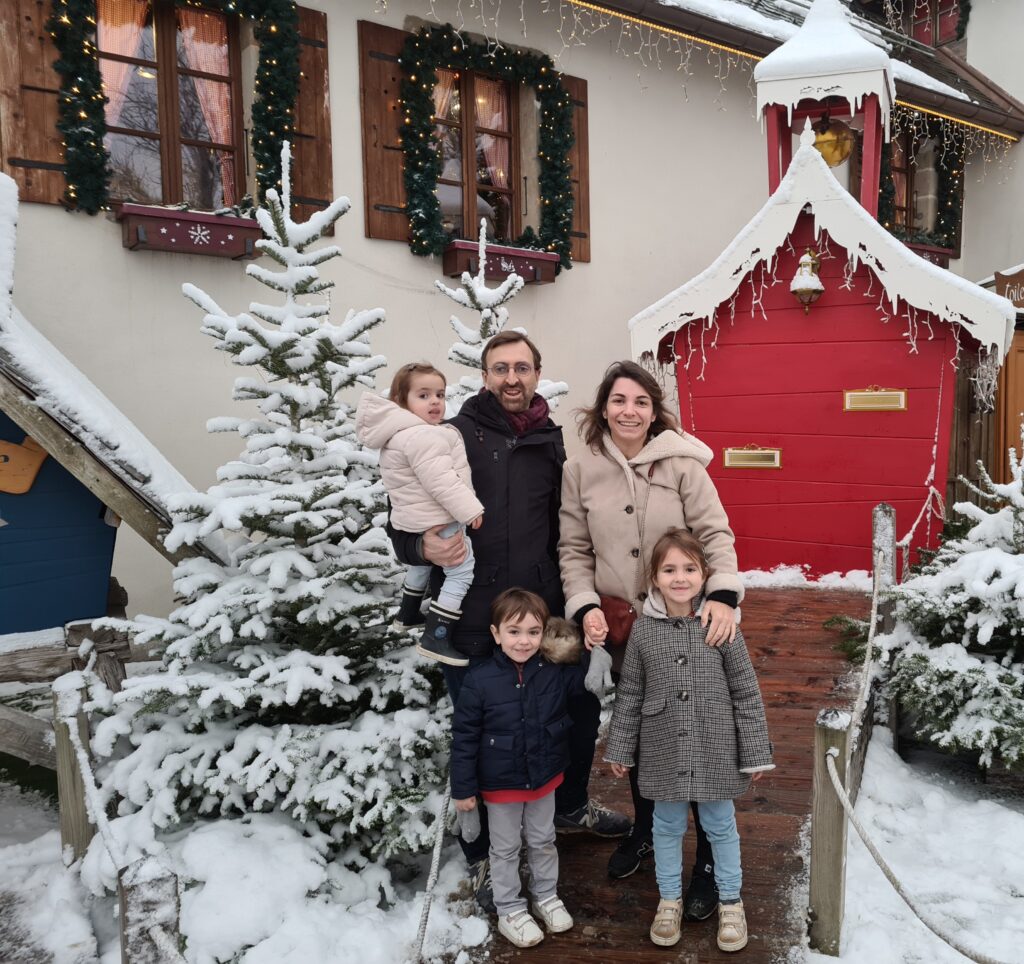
x=718, y=819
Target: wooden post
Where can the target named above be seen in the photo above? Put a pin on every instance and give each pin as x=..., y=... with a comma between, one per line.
x=75, y=829
x=828, y=834
x=883, y=539
x=148, y=894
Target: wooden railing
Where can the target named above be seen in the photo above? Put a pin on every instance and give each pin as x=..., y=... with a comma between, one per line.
x=845, y=736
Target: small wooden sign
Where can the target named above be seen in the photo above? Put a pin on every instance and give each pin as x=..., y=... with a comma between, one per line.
x=1011, y=286
x=752, y=457
x=874, y=399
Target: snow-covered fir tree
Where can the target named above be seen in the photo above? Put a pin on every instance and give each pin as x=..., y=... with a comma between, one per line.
x=489, y=304
x=283, y=687
x=957, y=652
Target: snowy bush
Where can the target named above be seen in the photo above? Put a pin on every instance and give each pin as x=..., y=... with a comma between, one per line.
x=957, y=652
x=489, y=304
x=283, y=687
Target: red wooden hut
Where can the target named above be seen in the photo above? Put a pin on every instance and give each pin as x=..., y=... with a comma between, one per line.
x=827, y=387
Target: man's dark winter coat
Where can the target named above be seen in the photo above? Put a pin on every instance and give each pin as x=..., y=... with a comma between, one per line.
x=519, y=482
x=511, y=727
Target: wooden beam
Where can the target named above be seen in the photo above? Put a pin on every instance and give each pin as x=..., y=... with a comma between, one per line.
x=42, y=664
x=828, y=835
x=88, y=469
x=26, y=737
x=75, y=829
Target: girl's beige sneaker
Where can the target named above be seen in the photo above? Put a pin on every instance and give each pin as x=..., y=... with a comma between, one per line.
x=520, y=929
x=665, y=929
x=732, y=926
x=552, y=911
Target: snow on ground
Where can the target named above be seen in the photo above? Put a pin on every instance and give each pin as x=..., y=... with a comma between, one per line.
x=258, y=892
x=43, y=916
x=798, y=577
x=958, y=850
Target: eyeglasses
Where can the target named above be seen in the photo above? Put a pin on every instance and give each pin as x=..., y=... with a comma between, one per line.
x=522, y=369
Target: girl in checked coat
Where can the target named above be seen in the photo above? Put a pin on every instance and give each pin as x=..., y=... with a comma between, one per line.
x=695, y=713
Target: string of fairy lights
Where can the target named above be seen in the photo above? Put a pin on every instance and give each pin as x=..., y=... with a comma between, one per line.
x=652, y=44
x=81, y=101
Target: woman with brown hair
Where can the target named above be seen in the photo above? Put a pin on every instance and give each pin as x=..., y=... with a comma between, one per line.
x=638, y=476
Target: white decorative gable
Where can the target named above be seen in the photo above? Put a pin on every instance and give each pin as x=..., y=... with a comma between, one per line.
x=810, y=185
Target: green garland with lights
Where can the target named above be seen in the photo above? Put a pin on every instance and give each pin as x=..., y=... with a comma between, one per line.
x=443, y=47
x=949, y=190
x=81, y=103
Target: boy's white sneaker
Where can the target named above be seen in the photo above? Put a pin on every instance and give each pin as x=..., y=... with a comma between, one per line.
x=732, y=926
x=520, y=929
x=552, y=911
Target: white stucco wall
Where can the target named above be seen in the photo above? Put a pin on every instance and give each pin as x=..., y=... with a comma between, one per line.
x=993, y=230
x=674, y=174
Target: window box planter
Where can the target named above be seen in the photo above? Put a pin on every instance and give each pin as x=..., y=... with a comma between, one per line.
x=929, y=252
x=145, y=228
x=535, y=267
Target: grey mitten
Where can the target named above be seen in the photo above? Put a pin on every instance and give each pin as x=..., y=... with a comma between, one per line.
x=469, y=823
x=599, y=674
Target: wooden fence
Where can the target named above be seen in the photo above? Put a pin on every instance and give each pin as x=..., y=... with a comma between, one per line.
x=848, y=735
x=148, y=892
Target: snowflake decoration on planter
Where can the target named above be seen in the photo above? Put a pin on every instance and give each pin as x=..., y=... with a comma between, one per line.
x=200, y=234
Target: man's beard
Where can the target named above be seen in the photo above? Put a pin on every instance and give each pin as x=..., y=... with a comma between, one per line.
x=515, y=403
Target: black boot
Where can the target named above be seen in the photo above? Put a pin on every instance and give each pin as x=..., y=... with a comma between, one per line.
x=409, y=613
x=436, y=641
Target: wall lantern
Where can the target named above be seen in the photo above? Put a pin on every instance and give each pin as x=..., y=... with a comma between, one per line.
x=806, y=284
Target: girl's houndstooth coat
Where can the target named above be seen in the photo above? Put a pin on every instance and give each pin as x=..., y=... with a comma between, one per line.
x=696, y=711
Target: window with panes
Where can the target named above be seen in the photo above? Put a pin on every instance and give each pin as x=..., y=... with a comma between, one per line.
x=476, y=121
x=171, y=76
x=933, y=22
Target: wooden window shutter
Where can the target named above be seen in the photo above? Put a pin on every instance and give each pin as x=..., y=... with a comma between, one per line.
x=312, y=172
x=29, y=86
x=579, y=157
x=380, y=78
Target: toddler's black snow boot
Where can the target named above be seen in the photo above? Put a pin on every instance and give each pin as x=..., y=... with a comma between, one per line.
x=436, y=641
x=409, y=609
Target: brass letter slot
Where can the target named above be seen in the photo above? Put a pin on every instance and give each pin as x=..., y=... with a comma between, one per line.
x=875, y=399
x=752, y=457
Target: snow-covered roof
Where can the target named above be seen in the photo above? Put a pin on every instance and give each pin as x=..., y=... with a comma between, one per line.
x=826, y=57
x=780, y=20
x=810, y=184
x=44, y=377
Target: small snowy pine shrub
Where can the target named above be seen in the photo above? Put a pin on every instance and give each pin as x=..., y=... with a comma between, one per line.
x=283, y=687
x=489, y=304
x=957, y=652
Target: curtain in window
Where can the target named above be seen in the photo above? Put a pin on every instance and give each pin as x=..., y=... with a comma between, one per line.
x=492, y=111
x=119, y=28
x=444, y=89
x=204, y=38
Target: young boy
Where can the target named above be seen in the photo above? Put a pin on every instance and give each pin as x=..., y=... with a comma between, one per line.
x=510, y=745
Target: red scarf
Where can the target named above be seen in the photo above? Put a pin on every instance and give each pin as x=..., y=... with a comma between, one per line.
x=534, y=417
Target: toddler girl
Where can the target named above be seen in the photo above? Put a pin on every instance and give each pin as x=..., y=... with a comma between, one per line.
x=424, y=468
x=696, y=712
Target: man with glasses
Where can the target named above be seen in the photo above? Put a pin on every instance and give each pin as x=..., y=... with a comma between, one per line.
x=516, y=454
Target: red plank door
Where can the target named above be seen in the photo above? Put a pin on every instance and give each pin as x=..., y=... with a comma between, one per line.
x=770, y=375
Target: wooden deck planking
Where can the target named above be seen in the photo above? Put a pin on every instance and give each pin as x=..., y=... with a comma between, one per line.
x=800, y=673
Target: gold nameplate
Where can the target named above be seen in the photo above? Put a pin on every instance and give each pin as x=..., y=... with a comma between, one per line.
x=875, y=400
x=752, y=457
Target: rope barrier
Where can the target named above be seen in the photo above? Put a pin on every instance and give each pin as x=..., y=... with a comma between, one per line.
x=435, y=863
x=971, y=955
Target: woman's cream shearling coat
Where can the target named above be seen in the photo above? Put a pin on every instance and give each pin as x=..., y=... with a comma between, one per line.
x=424, y=466
x=615, y=509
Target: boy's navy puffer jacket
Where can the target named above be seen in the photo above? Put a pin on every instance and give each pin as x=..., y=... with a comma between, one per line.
x=510, y=730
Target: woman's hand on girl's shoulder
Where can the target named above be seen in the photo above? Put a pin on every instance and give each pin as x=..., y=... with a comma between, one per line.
x=719, y=619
